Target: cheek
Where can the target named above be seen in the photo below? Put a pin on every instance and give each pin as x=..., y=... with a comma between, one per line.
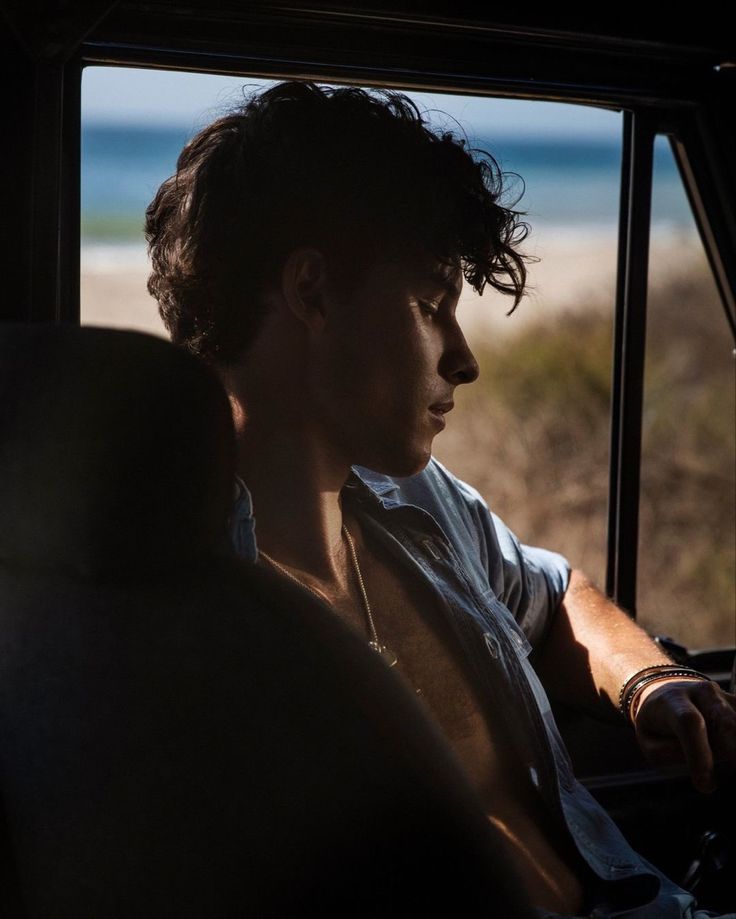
x=347, y=379
x=420, y=356
x=381, y=364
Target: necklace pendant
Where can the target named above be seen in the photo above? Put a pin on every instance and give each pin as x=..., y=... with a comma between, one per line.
x=386, y=653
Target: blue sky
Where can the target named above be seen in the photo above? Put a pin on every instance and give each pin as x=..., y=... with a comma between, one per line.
x=126, y=95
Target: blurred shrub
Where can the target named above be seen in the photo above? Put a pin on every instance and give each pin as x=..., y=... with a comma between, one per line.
x=533, y=436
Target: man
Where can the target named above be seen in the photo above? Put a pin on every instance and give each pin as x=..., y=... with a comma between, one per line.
x=311, y=248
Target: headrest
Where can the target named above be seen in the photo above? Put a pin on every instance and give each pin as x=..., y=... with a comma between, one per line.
x=116, y=452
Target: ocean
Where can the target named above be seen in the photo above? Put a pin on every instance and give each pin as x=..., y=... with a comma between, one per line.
x=569, y=184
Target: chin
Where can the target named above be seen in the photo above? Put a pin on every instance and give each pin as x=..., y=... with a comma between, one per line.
x=400, y=467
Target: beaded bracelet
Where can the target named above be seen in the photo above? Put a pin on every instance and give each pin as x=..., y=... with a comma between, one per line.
x=637, y=681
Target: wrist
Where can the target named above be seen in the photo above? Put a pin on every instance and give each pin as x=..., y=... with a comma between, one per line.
x=643, y=694
x=639, y=684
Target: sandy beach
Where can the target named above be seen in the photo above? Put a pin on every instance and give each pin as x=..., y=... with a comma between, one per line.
x=576, y=271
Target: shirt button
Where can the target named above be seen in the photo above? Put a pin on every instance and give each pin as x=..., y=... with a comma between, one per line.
x=492, y=646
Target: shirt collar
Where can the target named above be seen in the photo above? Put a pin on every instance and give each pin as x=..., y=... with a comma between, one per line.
x=242, y=524
x=378, y=484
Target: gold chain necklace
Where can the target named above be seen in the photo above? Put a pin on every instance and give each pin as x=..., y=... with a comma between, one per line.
x=386, y=653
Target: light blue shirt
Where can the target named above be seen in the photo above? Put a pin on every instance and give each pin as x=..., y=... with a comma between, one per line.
x=500, y=598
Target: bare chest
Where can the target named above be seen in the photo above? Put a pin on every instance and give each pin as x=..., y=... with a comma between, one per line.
x=409, y=619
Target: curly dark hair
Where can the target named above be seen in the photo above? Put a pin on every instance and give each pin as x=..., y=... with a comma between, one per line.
x=358, y=174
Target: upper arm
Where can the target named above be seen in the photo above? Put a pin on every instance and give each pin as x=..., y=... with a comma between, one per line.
x=531, y=582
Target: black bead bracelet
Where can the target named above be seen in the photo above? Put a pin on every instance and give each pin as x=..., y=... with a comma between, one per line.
x=646, y=675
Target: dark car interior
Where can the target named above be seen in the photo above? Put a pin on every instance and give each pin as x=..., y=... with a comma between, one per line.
x=138, y=774
x=182, y=734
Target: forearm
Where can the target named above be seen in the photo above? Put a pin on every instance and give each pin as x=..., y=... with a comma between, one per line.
x=593, y=647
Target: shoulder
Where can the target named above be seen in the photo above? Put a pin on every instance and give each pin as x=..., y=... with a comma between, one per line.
x=458, y=508
x=530, y=581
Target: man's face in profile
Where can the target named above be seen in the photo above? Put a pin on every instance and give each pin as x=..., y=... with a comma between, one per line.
x=392, y=356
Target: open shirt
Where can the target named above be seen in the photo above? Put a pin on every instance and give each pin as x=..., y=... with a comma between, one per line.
x=500, y=597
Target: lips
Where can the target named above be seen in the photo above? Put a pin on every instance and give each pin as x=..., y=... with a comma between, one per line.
x=438, y=412
x=441, y=408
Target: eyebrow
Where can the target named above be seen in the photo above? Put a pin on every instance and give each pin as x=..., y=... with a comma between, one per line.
x=445, y=283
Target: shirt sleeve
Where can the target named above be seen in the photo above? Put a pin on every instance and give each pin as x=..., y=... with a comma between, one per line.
x=532, y=582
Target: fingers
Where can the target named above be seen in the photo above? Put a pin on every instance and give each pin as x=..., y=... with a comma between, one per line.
x=720, y=716
x=671, y=728
x=691, y=721
x=692, y=732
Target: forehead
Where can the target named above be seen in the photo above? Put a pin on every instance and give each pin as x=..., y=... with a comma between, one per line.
x=422, y=272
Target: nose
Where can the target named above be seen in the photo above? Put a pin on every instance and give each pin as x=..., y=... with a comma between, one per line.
x=458, y=364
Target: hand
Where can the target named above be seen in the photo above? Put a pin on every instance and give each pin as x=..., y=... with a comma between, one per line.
x=690, y=720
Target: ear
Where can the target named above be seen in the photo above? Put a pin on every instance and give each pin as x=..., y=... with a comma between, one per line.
x=303, y=286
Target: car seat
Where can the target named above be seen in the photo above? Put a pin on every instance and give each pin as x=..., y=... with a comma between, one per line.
x=183, y=733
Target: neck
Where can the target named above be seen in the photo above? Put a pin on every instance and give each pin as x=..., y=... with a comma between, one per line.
x=295, y=482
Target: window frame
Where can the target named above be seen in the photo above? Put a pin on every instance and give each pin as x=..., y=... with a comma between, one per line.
x=660, y=88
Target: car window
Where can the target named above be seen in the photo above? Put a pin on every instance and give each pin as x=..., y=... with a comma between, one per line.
x=687, y=538
x=533, y=433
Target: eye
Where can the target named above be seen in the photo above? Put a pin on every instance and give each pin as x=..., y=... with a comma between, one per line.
x=430, y=307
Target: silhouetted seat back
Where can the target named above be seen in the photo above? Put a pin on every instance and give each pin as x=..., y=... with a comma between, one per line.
x=182, y=734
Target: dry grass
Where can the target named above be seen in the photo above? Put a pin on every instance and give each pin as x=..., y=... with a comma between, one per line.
x=533, y=436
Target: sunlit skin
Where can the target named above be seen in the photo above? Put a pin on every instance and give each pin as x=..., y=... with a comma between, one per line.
x=368, y=378
x=680, y=722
